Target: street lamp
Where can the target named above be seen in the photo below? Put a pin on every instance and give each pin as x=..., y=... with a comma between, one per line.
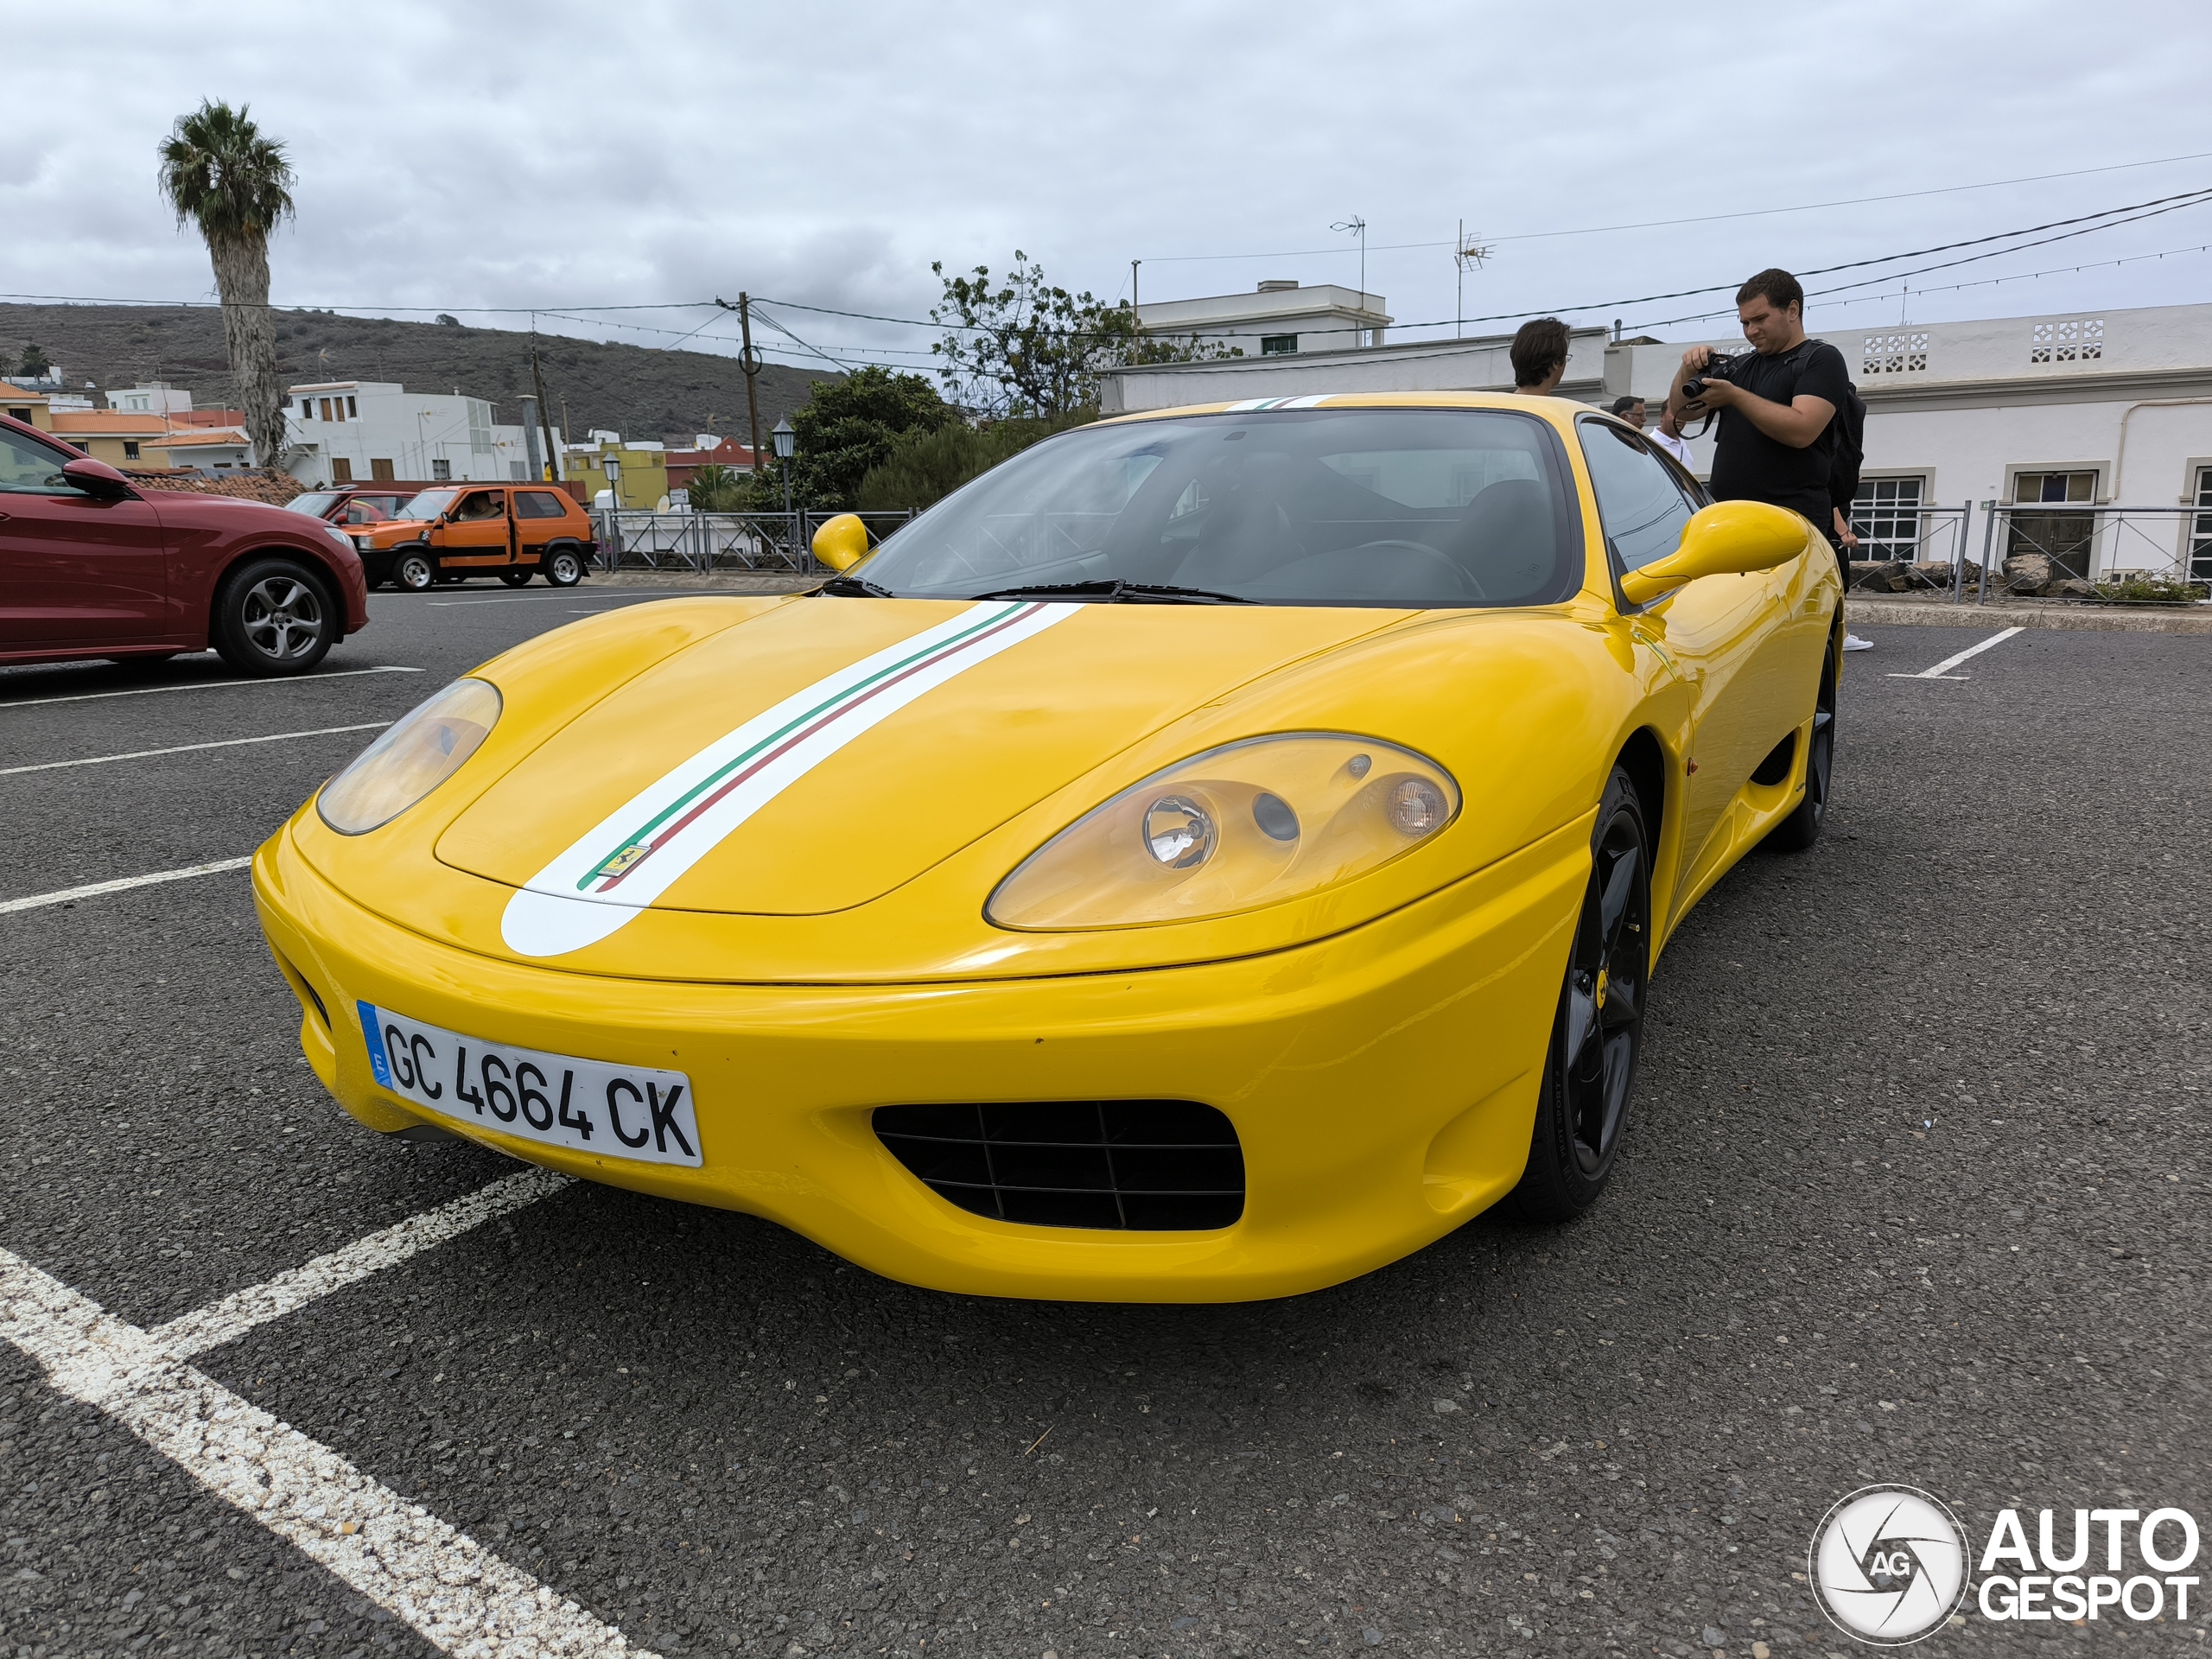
x=786, y=442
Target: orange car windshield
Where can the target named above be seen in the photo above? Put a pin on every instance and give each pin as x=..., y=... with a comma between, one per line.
x=429, y=504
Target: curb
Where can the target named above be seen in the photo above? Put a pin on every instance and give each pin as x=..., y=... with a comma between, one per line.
x=2089, y=618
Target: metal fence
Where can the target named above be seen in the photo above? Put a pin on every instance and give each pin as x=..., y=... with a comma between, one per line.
x=2103, y=545
x=773, y=541
x=1931, y=540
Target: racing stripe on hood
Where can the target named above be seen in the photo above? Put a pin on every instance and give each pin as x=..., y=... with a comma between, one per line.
x=638, y=852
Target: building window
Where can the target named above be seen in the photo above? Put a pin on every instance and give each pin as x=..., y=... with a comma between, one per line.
x=342, y=470
x=2080, y=340
x=353, y=410
x=1278, y=344
x=441, y=471
x=2067, y=533
x=380, y=471
x=1885, y=514
x=326, y=408
x=1902, y=353
x=2200, y=529
x=130, y=449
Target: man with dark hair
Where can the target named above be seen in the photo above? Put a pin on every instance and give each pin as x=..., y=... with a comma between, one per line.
x=1630, y=409
x=1775, y=403
x=1538, y=355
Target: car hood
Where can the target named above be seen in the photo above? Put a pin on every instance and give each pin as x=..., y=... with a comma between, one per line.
x=830, y=750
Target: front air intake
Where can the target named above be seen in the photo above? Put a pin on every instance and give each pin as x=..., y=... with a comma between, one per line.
x=1140, y=1166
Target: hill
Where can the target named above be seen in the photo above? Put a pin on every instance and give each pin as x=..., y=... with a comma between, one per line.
x=633, y=390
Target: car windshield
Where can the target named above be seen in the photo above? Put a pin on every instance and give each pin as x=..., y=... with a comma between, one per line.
x=315, y=503
x=1400, y=507
x=429, y=504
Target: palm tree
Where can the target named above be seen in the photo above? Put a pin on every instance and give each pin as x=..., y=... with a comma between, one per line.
x=219, y=172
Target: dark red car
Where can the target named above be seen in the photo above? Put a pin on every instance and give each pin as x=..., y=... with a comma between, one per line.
x=93, y=567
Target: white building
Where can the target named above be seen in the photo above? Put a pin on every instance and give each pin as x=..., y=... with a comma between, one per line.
x=151, y=398
x=2105, y=418
x=359, y=432
x=1278, y=320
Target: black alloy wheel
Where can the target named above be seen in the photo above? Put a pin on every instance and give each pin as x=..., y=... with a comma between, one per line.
x=1802, y=827
x=273, y=617
x=1590, y=1066
x=564, y=567
x=515, y=578
x=414, y=572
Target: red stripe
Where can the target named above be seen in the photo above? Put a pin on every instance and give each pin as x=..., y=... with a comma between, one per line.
x=792, y=742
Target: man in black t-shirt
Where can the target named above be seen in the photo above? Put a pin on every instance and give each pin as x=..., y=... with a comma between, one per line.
x=1776, y=404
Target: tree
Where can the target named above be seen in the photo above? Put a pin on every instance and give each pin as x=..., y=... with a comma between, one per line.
x=925, y=467
x=848, y=426
x=1028, y=348
x=716, y=488
x=35, y=361
x=219, y=172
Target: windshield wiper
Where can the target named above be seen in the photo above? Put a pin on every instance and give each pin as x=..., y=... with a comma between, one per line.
x=1118, y=592
x=855, y=587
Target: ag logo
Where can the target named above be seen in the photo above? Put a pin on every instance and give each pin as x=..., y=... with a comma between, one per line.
x=1888, y=1564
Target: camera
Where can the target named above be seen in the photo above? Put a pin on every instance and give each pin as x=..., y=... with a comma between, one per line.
x=1717, y=367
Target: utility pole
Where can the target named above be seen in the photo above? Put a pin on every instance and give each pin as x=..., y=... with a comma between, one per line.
x=544, y=413
x=749, y=360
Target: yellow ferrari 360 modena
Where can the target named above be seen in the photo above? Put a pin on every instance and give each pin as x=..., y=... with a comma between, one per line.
x=1211, y=855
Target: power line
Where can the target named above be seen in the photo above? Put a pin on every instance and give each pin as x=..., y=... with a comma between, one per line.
x=1702, y=219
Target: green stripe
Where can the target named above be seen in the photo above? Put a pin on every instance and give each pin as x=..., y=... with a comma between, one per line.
x=675, y=808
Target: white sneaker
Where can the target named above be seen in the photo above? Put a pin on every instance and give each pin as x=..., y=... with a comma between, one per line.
x=1852, y=642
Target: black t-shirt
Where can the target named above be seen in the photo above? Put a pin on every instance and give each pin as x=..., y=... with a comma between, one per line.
x=1749, y=466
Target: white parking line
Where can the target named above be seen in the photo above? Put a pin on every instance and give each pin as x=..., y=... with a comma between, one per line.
x=207, y=685
x=531, y=599
x=93, y=891
x=1943, y=669
x=460, y=1597
x=186, y=748
x=238, y=1313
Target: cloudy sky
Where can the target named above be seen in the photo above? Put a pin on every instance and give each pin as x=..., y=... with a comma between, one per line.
x=571, y=157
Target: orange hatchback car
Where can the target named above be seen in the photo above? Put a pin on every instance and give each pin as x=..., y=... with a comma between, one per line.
x=512, y=531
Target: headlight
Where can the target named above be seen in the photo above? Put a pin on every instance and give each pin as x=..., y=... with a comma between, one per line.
x=424, y=749
x=339, y=536
x=1249, y=824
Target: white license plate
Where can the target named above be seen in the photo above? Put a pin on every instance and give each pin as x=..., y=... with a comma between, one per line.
x=616, y=1111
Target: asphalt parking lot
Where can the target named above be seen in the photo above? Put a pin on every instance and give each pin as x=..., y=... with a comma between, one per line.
x=1915, y=1192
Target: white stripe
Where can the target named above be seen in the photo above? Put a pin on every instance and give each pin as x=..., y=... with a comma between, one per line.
x=1248, y=406
x=208, y=685
x=549, y=917
x=68, y=894
x=238, y=1313
x=1950, y=663
x=188, y=748
x=1313, y=402
x=462, y=1599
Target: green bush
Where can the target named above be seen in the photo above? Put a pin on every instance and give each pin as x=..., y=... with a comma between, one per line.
x=925, y=467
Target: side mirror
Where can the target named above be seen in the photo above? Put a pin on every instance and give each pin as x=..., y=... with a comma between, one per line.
x=96, y=478
x=1727, y=538
x=842, y=543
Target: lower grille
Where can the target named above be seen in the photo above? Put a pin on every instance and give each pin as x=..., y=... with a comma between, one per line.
x=1143, y=1166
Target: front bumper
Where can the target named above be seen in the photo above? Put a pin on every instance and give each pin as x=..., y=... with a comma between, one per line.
x=1382, y=1083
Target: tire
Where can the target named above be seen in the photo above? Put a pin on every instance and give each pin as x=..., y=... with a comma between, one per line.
x=1598, y=1033
x=516, y=578
x=563, y=566
x=414, y=573
x=1797, y=832
x=273, y=618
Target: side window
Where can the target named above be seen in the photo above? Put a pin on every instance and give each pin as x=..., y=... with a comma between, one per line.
x=538, y=503
x=29, y=468
x=1639, y=502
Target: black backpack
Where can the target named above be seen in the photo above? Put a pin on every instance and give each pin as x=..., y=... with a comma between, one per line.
x=1849, y=425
